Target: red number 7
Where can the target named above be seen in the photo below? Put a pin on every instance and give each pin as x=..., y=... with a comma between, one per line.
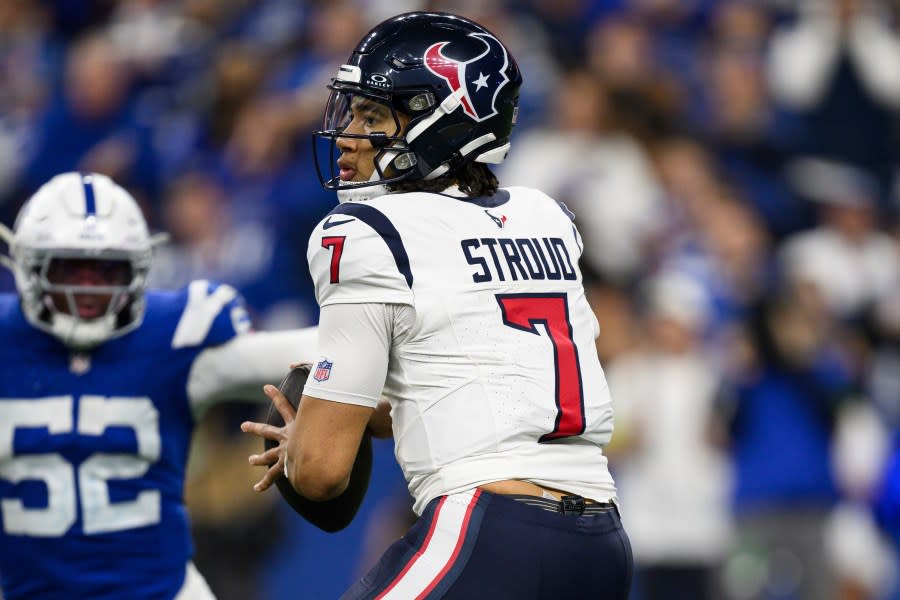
x=337, y=243
x=525, y=312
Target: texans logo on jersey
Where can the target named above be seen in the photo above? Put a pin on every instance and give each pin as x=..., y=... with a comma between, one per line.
x=481, y=78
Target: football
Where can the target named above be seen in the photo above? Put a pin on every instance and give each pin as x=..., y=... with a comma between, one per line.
x=330, y=515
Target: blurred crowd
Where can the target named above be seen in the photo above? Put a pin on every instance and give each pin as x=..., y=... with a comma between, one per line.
x=734, y=166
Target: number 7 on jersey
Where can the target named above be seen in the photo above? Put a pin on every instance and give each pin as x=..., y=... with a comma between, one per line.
x=336, y=243
x=525, y=312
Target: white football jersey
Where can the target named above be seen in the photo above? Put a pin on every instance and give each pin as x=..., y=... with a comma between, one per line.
x=495, y=373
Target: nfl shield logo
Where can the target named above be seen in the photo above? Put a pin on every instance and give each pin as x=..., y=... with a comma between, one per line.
x=323, y=370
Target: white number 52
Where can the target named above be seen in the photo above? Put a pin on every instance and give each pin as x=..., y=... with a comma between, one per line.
x=63, y=482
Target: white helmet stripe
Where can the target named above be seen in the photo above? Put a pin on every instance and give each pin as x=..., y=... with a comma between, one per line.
x=477, y=143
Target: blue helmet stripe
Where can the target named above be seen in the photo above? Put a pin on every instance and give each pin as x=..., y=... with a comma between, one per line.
x=90, y=205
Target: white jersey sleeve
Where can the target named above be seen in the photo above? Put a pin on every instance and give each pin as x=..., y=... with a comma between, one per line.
x=239, y=368
x=355, y=255
x=354, y=351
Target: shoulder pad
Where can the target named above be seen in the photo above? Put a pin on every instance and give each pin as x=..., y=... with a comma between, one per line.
x=356, y=254
x=213, y=313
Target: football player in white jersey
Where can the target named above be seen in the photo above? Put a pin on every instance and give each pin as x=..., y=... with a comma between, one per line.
x=101, y=382
x=463, y=304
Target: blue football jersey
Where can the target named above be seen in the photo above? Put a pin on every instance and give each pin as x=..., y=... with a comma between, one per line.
x=93, y=450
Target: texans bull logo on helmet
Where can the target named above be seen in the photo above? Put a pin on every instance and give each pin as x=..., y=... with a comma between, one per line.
x=480, y=78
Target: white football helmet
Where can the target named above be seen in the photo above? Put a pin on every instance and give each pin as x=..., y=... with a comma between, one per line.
x=87, y=217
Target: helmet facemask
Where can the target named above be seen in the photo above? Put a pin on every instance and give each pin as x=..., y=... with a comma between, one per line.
x=395, y=161
x=55, y=305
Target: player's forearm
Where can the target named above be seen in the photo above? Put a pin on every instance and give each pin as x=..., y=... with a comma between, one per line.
x=316, y=489
x=322, y=446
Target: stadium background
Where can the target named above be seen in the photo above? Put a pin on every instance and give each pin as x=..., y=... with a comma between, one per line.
x=734, y=168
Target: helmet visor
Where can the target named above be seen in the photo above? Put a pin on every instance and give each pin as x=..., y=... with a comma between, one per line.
x=337, y=111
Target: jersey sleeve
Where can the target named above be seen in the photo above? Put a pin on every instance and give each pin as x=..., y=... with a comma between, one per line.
x=356, y=255
x=213, y=314
x=237, y=369
x=354, y=345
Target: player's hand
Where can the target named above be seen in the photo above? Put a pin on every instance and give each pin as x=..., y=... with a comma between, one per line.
x=273, y=457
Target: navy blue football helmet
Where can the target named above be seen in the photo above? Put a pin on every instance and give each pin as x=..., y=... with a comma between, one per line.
x=454, y=79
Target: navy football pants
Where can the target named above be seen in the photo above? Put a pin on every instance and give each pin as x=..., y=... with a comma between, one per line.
x=479, y=545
